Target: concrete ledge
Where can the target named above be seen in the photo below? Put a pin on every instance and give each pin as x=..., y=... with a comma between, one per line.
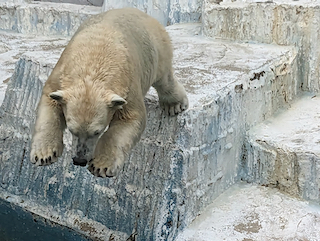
x=284, y=151
x=34, y=226
x=44, y=18
x=181, y=163
x=166, y=12
x=280, y=22
x=43, y=50
x=81, y=2
x=47, y=18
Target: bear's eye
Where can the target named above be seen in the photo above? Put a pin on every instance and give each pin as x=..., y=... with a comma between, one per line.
x=96, y=133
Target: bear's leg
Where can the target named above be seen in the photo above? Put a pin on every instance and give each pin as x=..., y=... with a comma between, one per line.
x=172, y=95
x=115, y=144
x=47, y=141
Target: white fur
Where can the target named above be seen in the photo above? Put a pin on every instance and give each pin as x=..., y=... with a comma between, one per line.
x=100, y=80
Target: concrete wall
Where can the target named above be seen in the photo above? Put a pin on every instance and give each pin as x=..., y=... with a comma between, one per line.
x=81, y=2
x=181, y=163
x=293, y=23
x=167, y=12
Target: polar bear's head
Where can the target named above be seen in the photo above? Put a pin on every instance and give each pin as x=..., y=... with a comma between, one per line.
x=87, y=115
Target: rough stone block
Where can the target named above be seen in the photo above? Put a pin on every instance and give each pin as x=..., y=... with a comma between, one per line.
x=250, y=212
x=43, y=18
x=166, y=12
x=181, y=163
x=81, y=2
x=284, y=151
x=280, y=22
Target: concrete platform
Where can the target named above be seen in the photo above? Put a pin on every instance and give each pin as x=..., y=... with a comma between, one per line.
x=282, y=22
x=248, y=212
x=43, y=18
x=14, y=46
x=284, y=151
x=180, y=165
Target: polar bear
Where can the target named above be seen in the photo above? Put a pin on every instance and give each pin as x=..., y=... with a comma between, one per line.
x=97, y=90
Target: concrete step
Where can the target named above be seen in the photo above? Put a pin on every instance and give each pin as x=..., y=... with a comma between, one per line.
x=54, y=17
x=13, y=46
x=249, y=212
x=282, y=22
x=181, y=163
x=43, y=18
x=284, y=151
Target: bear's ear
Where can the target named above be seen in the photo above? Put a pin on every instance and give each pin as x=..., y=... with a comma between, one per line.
x=57, y=95
x=117, y=101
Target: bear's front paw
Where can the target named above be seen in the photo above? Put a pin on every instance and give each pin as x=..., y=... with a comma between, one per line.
x=45, y=152
x=103, y=166
x=174, y=108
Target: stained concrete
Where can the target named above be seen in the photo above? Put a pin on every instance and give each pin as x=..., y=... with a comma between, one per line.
x=279, y=22
x=43, y=18
x=180, y=165
x=18, y=224
x=165, y=11
x=248, y=212
x=284, y=151
x=81, y=2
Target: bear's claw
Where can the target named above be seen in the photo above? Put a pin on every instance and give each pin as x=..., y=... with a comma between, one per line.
x=172, y=109
x=102, y=171
x=45, y=154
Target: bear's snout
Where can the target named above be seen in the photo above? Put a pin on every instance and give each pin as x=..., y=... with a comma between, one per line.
x=79, y=161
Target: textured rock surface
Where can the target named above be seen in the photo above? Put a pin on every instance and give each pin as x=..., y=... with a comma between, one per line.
x=246, y=213
x=284, y=151
x=34, y=227
x=167, y=12
x=281, y=22
x=43, y=18
x=180, y=165
x=13, y=45
x=82, y=2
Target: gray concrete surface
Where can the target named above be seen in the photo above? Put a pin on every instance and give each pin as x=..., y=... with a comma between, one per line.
x=284, y=151
x=247, y=212
x=183, y=163
x=43, y=18
x=199, y=150
x=166, y=12
x=81, y=2
x=280, y=22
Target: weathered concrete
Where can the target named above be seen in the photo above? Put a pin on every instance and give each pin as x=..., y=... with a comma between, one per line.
x=81, y=2
x=17, y=223
x=280, y=22
x=13, y=46
x=43, y=18
x=248, y=213
x=180, y=165
x=49, y=18
x=284, y=151
x=166, y=12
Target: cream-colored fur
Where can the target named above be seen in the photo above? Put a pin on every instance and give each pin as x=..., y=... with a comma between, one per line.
x=100, y=80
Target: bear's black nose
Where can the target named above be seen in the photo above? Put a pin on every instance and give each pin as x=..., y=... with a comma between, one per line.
x=79, y=161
